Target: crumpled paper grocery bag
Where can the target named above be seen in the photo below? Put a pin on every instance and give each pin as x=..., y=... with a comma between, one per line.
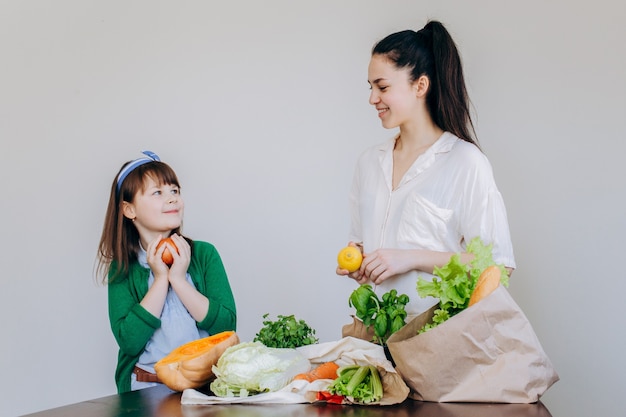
x=347, y=351
x=350, y=350
x=486, y=353
x=358, y=329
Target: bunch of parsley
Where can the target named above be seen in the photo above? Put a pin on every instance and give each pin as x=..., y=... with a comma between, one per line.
x=454, y=282
x=285, y=332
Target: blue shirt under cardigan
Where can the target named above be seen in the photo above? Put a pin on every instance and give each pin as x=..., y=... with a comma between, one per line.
x=133, y=326
x=177, y=328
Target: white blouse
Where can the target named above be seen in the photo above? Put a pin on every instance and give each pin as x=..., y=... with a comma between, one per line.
x=446, y=198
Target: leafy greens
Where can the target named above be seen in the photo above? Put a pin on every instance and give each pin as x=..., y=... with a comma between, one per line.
x=252, y=368
x=285, y=332
x=387, y=315
x=454, y=282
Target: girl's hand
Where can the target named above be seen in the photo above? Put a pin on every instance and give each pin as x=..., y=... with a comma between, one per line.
x=182, y=258
x=155, y=261
x=386, y=263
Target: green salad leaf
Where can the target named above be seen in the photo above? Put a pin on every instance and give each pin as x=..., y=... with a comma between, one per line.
x=454, y=282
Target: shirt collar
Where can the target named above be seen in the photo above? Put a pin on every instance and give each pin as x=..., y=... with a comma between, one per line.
x=444, y=144
x=142, y=256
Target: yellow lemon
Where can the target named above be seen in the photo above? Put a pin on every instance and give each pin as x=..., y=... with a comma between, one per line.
x=350, y=258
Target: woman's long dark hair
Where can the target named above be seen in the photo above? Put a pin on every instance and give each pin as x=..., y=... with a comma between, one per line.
x=432, y=52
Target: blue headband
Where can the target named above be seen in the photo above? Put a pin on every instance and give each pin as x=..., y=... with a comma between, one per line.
x=151, y=157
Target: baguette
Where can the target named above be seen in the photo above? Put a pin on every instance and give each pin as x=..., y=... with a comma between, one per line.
x=487, y=283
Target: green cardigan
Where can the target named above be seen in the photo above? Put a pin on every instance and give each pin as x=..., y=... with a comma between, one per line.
x=133, y=325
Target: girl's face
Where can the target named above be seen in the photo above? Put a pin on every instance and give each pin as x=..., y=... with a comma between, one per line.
x=393, y=95
x=157, y=209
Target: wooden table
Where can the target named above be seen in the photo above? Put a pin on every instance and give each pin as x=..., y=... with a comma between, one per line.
x=160, y=401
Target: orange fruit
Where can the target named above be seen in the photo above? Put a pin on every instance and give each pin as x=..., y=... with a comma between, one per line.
x=350, y=258
x=167, y=255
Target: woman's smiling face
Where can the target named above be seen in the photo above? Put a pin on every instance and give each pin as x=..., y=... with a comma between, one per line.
x=392, y=92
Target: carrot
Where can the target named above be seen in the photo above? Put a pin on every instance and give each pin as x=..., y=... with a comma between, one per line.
x=327, y=370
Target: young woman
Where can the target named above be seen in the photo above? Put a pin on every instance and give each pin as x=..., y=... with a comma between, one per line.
x=153, y=307
x=425, y=193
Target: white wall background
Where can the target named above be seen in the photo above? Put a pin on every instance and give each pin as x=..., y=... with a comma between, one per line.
x=261, y=107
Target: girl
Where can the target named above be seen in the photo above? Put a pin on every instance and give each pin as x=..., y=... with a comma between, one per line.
x=154, y=308
x=425, y=193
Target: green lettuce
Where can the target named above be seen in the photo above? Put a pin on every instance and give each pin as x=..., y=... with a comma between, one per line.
x=252, y=368
x=454, y=282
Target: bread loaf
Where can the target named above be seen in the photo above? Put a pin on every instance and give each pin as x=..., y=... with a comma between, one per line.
x=487, y=282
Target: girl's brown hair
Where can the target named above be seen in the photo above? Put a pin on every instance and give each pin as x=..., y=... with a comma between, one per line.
x=432, y=52
x=119, y=243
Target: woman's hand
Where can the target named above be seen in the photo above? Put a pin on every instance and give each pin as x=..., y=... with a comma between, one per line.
x=357, y=275
x=385, y=263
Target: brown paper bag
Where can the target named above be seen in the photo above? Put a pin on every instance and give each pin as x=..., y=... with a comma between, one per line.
x=358, y=330
x=487, y=353
x=352, y=350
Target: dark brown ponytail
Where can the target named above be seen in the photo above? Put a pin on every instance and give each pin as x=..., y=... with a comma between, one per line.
x=432, y=52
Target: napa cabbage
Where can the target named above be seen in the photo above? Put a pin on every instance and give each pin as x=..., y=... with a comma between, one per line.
x=252, y=368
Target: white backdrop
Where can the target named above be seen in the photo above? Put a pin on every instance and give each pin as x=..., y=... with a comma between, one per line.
x=261, y=108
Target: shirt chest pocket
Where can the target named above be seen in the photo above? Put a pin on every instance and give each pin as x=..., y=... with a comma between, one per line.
x=424, y=225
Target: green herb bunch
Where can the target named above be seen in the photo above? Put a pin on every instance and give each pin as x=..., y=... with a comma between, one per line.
x=387, y=315
x=285, y=332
